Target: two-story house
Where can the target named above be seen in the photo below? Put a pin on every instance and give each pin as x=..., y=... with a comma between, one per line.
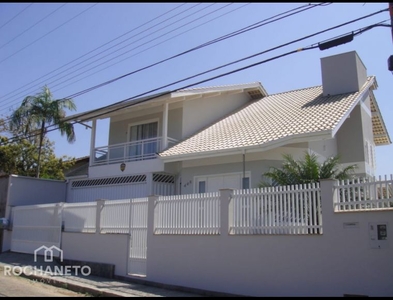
x=206, y=138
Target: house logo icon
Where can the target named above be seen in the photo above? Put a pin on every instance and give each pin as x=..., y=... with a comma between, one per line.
x=49, y=253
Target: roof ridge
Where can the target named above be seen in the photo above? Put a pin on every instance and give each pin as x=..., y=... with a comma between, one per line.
x=222, y=85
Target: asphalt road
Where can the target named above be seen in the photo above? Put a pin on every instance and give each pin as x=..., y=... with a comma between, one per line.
x=17, y=286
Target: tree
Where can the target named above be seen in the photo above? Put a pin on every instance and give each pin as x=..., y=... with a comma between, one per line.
x=306, y=170
x=18, y=154
x=39, y=111
x=20, y=158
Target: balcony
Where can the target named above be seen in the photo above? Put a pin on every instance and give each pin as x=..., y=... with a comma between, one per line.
x=129, y=152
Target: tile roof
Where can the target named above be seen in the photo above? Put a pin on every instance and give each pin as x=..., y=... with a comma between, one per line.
x=270, y=119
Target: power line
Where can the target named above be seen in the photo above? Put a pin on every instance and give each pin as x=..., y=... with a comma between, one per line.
x=48, y=15
x=16, y=15
x=80, y=68
x=313, y=46
x=203, y=45
x=227, y=36
x=47, y=33
x=155, y=45
x=92, y=51
x=200, y=46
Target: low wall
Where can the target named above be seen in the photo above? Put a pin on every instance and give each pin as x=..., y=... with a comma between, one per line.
x=343, y=260
x=23, y=190
x=102, y=248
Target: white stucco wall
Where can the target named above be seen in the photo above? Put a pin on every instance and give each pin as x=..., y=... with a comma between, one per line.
x=102, y=248
x=119, y=126
x=201, y=112
x=256, y=163
x=132, y=168
x=29, y=191
x=324, y=149
x=340, y=261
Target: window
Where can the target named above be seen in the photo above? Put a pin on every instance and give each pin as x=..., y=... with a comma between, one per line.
x=145, y=143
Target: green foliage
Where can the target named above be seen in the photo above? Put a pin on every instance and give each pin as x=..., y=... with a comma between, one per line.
x=21, y=159
x=306, y=170
x=38, y=112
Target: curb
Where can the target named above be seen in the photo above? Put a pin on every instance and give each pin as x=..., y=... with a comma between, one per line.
x=73, y=286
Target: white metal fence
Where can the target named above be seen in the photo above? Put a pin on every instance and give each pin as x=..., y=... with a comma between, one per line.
x=188, y=214
x=277, y=210
x=365, y=194
x=80, y=217
x=115, y=216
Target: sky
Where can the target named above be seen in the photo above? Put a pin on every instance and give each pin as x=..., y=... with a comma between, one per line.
x=71, y=47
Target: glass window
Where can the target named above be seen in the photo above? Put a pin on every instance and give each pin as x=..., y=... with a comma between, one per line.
x=202, y=187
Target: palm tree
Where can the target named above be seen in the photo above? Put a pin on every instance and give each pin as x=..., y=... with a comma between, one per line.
x=37, y=112
x=306, y=170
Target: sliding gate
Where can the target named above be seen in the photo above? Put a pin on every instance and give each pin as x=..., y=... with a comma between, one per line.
x=35, y=226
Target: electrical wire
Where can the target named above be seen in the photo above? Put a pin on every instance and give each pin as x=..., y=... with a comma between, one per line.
x=47, y=33
x=198, y=47
x=16, y=15
x=48, y=15
x=91, y=51
x=227, y=36
x=313, y=46
x=304, y=7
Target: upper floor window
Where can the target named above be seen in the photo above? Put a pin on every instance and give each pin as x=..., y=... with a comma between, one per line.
x=144, y=143
x=143, y=131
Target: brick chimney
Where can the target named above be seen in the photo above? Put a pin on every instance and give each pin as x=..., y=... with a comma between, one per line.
x=342, y=73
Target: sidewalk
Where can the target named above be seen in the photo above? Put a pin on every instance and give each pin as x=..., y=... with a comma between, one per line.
x=93, y=285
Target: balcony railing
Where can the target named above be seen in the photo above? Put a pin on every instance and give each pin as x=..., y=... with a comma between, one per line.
x=127, y=152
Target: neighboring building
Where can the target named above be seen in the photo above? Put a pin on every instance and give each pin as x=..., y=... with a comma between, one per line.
x=203, y=139
x=79, y=169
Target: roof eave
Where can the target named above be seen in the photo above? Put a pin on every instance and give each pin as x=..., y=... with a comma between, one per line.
x=304, y=137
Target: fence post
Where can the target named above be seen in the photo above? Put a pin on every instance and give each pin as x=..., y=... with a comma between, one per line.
x=151, y=204
x=226, y=211
x=100, y=206
x=328, y=200
x=151, y=250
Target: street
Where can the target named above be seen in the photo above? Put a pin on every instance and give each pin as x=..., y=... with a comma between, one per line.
x=17, y=286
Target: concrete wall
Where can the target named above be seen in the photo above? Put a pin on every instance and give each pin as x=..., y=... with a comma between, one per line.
x=324, y=149
x=350, y=142
x=3, y=195
x=340, y=261
x=255, y=163
x=342, y=73
x=30, y=191
x=102, y=248
x=175, y=123
x=118, y=130
x=201, y=112
x=119, y=127
x=132, y=168
x=3, y=203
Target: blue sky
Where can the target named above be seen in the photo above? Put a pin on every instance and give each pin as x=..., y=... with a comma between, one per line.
x=56, y=44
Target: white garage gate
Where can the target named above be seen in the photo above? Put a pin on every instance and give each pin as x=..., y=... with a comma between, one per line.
x=34, y=226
